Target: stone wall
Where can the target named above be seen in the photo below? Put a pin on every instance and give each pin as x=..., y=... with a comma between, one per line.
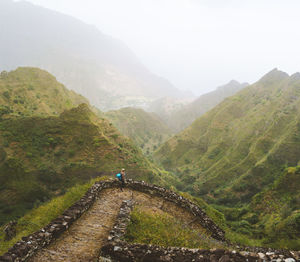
x=123, y=251
x=30, y=244
x=116, y=249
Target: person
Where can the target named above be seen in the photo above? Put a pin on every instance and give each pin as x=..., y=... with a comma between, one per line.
x=121, y=177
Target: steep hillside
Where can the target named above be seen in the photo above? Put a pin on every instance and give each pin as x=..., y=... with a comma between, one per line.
x=278, y=209
x=95, y=65
x=32, y=91
x=183, y=117
x=42, y=156
x=146, y=129
x=166, y=106
x=242, y=145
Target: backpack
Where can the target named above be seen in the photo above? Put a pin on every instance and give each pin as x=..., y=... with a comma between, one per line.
x=119, y=176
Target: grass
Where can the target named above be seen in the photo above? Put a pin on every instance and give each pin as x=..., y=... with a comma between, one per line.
x=234, y=158
x=164, y=230
x=239, y=147
x=44, y=214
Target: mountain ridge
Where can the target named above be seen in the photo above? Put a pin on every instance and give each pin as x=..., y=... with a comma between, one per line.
x=61, y=143
x=227, y=131
x=95, y=65
x=184, y=116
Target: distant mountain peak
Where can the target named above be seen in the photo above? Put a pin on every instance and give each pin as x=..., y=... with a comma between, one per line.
x=79, y=55
x=233, y=82
x=274, y=75
x=295, y=76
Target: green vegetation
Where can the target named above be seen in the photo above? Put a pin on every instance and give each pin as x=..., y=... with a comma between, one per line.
x=213, y=213
x=241, y=146
x=146, y=129
x=164, y=230
x=230, y=220
x=278, y=210
x=41, y=216
x=235, y=157
x=186, y=115
x=42, y=154
x=46, y=155
x=32, y=91
x=238, y=157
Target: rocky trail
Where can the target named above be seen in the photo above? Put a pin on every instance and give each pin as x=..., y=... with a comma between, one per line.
x=84, y=239
x=97, y=223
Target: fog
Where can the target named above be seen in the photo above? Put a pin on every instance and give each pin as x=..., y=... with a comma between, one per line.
x=199, y=44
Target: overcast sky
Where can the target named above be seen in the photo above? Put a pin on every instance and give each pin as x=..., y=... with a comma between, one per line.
x=199, y=44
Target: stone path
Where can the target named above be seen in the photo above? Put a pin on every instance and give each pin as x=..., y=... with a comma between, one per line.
x=84, y=239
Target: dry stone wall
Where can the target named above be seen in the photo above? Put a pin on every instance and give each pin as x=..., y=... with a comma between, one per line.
x=118, y=249
x=25, y=248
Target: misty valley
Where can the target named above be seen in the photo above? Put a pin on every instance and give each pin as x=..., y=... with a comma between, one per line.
x=101, y=159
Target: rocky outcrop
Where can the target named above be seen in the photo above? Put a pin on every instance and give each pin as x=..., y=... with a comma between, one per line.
x=10, y=230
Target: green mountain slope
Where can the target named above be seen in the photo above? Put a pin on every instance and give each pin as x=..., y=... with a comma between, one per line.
x=47, y=144
x=32, y=91
x=183, y=117
x=146, y=129
x=41, y=157
x=242, y=145
x=278, y=209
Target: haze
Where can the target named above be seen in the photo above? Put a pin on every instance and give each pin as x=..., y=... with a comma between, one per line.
x=201, y=44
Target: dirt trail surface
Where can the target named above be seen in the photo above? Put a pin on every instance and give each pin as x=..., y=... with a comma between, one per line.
x=86, y=235
x=84, y=239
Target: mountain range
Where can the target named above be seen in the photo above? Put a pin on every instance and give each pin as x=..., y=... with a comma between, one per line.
x=101, y=68
x=185, y=115
x=242, y=145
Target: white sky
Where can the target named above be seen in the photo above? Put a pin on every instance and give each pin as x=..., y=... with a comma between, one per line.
x=199, y=44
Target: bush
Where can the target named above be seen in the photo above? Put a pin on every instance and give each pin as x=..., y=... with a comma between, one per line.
x=6, y=95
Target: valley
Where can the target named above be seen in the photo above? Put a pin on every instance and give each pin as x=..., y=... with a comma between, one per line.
x=212, y=165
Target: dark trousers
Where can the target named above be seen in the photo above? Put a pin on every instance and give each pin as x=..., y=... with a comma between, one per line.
x=122, y=184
